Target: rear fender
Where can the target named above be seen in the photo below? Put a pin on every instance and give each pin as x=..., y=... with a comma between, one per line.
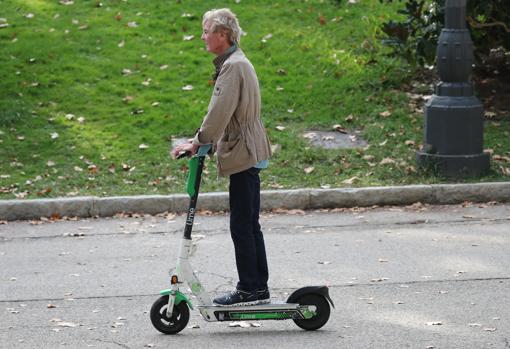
x=319, y=290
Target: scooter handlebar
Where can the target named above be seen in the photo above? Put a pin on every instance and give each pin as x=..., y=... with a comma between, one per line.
x=203, y=150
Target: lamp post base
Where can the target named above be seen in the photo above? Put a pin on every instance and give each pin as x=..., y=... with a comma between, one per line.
x=456, y=166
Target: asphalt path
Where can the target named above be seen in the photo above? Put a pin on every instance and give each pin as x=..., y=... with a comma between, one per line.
x=401, y=277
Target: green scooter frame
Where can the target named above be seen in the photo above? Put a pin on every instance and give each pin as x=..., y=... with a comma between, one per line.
x=308, y=307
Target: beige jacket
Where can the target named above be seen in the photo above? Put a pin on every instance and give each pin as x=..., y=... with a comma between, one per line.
x=233, y=123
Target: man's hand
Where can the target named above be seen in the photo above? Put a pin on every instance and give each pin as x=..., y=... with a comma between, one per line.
x=183, y=148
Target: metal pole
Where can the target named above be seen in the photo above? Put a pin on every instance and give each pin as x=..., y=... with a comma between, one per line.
x=453, y=127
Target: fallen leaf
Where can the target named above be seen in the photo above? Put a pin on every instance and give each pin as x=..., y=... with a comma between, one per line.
x=51, y=306
x=280, y=128
x=187, y=88
x=385, y=114
x=350, y=180
x=132, y=24
x=67, y=324
x=188, y=37
x=92, y=169
x=242, y=324
x=121, y=44
x=387, y=161
x=267, y=37
x=379, y=280
x=309, y=170
x=143, y=146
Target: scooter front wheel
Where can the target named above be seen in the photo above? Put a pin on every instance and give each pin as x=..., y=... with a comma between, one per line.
x=169, y=325
x=322, y=311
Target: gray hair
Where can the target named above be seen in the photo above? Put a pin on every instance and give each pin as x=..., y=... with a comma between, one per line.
x=224, y=19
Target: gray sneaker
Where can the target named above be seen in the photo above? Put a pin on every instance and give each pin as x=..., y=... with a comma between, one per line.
x=237, y=297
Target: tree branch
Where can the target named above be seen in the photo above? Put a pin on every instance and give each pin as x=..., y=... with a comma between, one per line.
x=478, y=25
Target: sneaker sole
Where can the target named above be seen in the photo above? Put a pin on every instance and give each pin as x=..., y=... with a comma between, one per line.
x=264, y=301
x=237, y=304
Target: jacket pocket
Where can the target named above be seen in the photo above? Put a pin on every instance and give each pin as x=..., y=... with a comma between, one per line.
x=233, y=154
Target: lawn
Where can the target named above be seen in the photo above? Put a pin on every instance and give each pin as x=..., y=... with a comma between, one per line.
x=93, y=92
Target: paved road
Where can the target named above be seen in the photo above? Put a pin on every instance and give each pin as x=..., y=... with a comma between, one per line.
x=413, y=277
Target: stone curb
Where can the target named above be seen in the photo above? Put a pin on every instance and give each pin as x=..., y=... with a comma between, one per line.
x=304, y=199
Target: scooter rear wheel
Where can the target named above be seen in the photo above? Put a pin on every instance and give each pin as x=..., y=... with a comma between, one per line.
x=322, y=311
x=169, y=325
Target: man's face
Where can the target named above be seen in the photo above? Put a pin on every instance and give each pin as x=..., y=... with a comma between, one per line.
x=215, y=42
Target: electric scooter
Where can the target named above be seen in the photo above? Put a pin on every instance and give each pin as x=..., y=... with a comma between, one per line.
x=308, y=307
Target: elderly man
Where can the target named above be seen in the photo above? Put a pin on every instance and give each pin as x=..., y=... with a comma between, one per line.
x=234, y=128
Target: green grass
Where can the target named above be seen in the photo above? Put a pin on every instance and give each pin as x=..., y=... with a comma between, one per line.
x=69, y=60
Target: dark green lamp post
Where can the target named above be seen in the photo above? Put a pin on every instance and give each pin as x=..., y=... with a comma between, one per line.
x=453, y=145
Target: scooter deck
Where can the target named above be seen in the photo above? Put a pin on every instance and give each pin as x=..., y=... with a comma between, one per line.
x=269, y=311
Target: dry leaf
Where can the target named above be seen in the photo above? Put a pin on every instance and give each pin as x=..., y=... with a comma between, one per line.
x=143, y=146
x=187, y=88
x=350, y=180
x=309, y=170
x=188, y=37
x=280, y=128
x=385, y=114
x=387, y=161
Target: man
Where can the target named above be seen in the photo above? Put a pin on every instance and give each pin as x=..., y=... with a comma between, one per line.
x=234, y=128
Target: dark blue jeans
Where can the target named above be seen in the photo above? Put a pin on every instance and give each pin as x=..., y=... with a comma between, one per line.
x=250, y=251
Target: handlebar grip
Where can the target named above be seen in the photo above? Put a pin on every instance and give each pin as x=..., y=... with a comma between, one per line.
x=184, y=154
